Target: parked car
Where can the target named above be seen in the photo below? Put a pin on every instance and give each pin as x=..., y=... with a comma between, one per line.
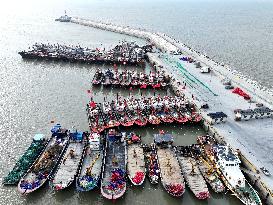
x=229, y=87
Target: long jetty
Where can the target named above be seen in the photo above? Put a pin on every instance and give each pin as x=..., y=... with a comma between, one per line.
x=251, y=138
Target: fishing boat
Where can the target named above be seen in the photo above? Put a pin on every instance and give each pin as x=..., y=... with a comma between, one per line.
x=152, y=163
x=228, y=164
x=28, y=158
x=153, y=119
x=43, y=167
x=136, y=165
x=108, y=78
x=196, y=117
x=181, y=118
x=113, y=183
x=98, y=78
x=64, y=18
x=167, y=117
x=90, y=172
x=69, y=166
x=83, y=54
x=191, y=172
x=128, y=119
x=210, y=175
x=170, y=172
x=130, y=111
x=140, y=120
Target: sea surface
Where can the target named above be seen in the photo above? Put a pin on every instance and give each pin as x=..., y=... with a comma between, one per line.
x=34, y=93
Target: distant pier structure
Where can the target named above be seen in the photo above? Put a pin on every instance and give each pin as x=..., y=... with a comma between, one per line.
x=64, y=18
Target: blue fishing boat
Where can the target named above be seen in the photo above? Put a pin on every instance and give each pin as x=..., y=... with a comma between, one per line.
x=43, y=167
x=89, y=175
x=113, y=182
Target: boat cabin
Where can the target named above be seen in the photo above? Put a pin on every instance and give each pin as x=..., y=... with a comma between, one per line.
x=76, y=136
x=94, y=141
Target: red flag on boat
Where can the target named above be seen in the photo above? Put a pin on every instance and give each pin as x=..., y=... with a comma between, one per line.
x=156, y=85
x=161, y=132
x=143, y=86
x=92, y=104
x=130, y=88
x=88, y=91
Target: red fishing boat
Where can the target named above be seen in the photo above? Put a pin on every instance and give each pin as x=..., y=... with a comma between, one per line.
x=181, y=118
x=196, y=117
x=154, y=119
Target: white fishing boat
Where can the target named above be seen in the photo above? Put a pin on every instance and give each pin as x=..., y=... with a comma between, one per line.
x=136, y=165
x=229, y=165
x=64, y=18
x=192, y=174
x=69, y=166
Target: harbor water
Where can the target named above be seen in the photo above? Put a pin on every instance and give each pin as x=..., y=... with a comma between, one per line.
x=35, y=93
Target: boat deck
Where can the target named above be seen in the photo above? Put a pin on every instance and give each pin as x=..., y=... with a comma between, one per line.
x=169, y=167
x=69, y=166
x=91, y=157
x=211, y=176
x=135, y=163
x=115, y=150
x=193, y=176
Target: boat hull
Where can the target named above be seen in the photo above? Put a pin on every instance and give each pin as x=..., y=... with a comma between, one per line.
x=170, y=172
x=113, y=183
x=38, y=180
x=68, y=168
x=136, y=165
x=85, y=182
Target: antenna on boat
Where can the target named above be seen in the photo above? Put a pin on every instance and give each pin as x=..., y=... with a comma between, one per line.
x=65, y=12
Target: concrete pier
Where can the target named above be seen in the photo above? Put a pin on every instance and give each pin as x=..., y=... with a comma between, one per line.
x=252, y=138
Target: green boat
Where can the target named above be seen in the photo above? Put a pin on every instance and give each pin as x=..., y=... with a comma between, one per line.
x=24, y=163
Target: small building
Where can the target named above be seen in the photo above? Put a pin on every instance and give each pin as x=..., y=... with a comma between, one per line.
x=257, y=113
x=262, y=112
x=205, y=69
x=217, y=117
x=244, y=114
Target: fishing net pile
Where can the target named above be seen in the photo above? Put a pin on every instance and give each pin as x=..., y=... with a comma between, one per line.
x=117, y=180
x=23, y=164
x=138, y=177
